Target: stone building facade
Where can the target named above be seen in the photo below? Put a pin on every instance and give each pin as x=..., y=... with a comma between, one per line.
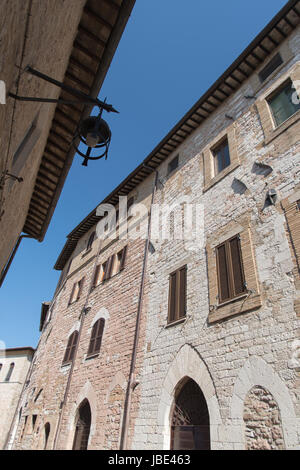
x=14, y=366
x=198, y=336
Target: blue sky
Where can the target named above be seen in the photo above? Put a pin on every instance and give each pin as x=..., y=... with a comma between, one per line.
x=170, y=53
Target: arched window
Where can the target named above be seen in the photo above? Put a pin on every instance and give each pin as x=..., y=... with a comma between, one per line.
x=96, y=337
x=71, y=346
x=11, y=368
x=83, y=426
x=190, y=419
x=46, y=434
x=90, y=241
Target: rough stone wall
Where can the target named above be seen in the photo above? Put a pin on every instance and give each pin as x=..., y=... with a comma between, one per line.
x=34, y=40
x=262, y=419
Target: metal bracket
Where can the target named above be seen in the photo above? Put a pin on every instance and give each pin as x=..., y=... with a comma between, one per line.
x=83, y=98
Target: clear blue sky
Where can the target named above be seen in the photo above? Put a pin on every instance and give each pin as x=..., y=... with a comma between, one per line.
x=169, y=55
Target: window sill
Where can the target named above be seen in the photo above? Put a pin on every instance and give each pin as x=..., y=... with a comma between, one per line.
x=65, y=365
x=91, y=356
x=176, y=322
x=236, y=306
x=234, y=299
x=221, y=175
x=276, y=131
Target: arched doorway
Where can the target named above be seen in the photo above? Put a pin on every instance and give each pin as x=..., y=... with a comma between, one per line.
x=190, y=418
x=83, y=426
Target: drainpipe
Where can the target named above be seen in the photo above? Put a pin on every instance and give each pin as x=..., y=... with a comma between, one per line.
x=131, y=381
x=7, y=266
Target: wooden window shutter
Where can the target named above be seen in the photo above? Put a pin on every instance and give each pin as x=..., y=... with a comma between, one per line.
x=93, y=339
x=182, y=292
x=96, y=275
x=70, y=350
x=177, y=295
x=222, y=270
x=96, y=337
x=231, y=279
x=99, y=335
x=80, y=288
x=172, y=297
x=123, y=257
x=73, y=345
x=72, y=293
x=108, y=268
x=238, y=280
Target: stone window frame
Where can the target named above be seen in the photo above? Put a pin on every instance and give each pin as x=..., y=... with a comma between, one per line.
x=271, y=130
x=290, y=209
x=251, y=299
x=210, y=177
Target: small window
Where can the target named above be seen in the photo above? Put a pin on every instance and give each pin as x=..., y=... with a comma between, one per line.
x=130, y=203
x=270, y=67
x=221, y=157
x=34, y=417
x=46, y=434
x=90, y=241
x=119, y=261
x=76, y=291
x=231, y=279
x=284, y=103
x=96, y=337
x=298, y=208
x=10, y=371
x=71, y=347
x=173, y=164
x=0, y=367
x=38, y=395
x=177, y=295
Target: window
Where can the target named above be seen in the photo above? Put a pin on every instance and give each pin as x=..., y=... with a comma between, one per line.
x=233, y=284
x=173, y=164
x=177, y=295
x=270, y=67
x=34, y=417
x=118, y=261
x=112, y=266
x=221, y=157
x=130, y=203
x=90, y=241
x=96, y=337
x=10, y=371
x=76, y=291
x=71, y=347
x=0, y=367
x=46, y=434
x=231, y=281
x=284, y=103
x=100, y=274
